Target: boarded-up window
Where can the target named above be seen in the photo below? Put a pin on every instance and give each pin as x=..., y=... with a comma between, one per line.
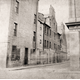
x=15, y=53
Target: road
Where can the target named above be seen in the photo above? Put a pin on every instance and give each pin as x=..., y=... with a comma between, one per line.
x=54, y=71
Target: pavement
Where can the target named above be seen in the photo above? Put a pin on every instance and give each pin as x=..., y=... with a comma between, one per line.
x=51, y=71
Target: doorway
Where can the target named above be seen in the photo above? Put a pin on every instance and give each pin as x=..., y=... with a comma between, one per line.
x=26, y=56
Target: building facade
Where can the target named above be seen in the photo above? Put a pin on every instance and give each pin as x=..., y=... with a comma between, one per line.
x=17, y=19
x=47, y=40
x=74, y=10
x=74, y=34
x=63, y=44
x=40, y=27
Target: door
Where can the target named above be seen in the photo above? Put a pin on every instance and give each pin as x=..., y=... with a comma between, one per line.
x=26, y=56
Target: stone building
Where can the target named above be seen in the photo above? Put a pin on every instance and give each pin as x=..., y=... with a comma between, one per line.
x=47, y=26
x=74, y=34
x=47, y=39
x=51, y=37
x=54, y=32
x=74, y=10
x=40, y=27
x=18, y=27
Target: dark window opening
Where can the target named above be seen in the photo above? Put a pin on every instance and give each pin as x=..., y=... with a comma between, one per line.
x=17, y=6
x=15, y=29
x=45, y=43
x=50, y=44
x=35, y=18
x=50, y=32
x=15, y=53
x=40, y=41
x=34, y=37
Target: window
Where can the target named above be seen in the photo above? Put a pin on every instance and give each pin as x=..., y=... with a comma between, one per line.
x=54, y=46
x=58, y=47
x=15, y=53
x=40, y=41
x=54, y=35
x=15, y=29
x=17, y=6
x=50, y=44
x=47, y=31
x=34, y=37
x=35, y=17
x=40, y=28
x=34, y=50
x=44, y=28
x=45, y=43
x=50, y=22
x=50, y=32
x=54, y=24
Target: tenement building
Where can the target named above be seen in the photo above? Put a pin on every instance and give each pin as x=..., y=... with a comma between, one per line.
x=18, y=21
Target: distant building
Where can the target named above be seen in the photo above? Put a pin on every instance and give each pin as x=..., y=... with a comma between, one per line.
x=63, y=44
x=18, y=21
x=40, y=29
x=47, y=26
x=47, y=39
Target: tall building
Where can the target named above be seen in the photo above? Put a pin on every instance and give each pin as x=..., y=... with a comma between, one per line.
x=74, y=10
x=74, y=33
x=18, y=28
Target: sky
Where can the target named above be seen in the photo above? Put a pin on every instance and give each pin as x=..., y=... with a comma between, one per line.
x=61, y=10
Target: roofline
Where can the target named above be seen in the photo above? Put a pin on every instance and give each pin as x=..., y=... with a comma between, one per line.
x=47, y=25
x=71, y=24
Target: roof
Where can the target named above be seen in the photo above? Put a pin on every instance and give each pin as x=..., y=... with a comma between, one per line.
x=47, y=25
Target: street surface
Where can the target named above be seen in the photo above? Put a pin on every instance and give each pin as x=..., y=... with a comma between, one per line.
x=54, y=71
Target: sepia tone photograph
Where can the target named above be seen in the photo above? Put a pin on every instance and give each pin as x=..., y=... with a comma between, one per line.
x=39, y=39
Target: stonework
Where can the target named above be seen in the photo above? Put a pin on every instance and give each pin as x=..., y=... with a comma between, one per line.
x=25, y=21
x=74, y=50
x=74, y=36
x=74, y=10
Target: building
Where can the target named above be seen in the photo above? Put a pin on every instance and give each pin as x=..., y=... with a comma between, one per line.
x=47, y=40
x=40, y=27
x=51, y=37
x=74, y=10
x=54, y=32
x=74, y=34
x=63, y=44
x=47, y=26
x=18, y=21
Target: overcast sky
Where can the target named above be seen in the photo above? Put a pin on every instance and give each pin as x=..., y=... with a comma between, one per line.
x=61, y=8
